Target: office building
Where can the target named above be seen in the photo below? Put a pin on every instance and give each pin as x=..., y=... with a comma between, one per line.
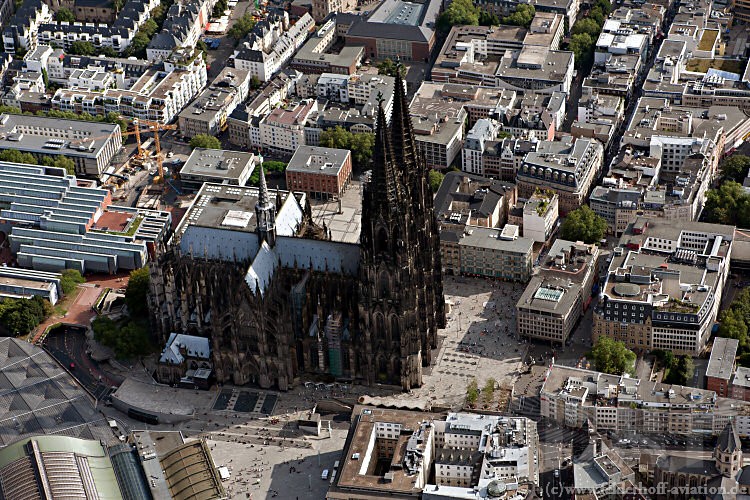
x=219, y=166
x=319, y=54
x=664, y=285
x=574, y=397
x=493, y=253
x=91, y=145
x=540, y=216
x=568, y=167
x=283, y=129
x=322, y=173
x=462, y=452
x=559, y=293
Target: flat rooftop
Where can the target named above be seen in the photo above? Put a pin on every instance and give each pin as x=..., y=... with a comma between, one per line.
x=219, y=164
x=360, y=434
x=54, y=135
x=319, y=160
x=345, y=225
x=723, y=354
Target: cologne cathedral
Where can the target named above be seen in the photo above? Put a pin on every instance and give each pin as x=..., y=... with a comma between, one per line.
x=281, y=301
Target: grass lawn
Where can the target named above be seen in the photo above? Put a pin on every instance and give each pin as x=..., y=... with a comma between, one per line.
x=62, y=306
x=703, y=65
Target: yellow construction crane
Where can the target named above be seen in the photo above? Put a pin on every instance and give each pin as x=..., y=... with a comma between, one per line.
x=155, y=127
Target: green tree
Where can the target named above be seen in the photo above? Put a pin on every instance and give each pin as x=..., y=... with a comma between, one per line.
x=65, y=14
x=729, y=204
x=681, y=372
x=388, y=67
x=219, y=8
x=82, y=48
x=733, y=325
x=472, y=392
x=488, y=392
x=241, y=27
x=744, y=360
x=735, y=168
x=70, y=280
x=45, y=78
x=587, y=25
x=65, y=163
x=611, y=356
x=127, y=338
x=522, y=16
x=21, y=316
x=582, y=224
x=107, y=52
x=205, y=141
x=597, y=15
x=274, y=166
x=488, y=19
x=15, y=156
x=255, y=82
x=436, y=179
x=459, y=12
x=136, y=294
x=360, y=144
x=582, y=46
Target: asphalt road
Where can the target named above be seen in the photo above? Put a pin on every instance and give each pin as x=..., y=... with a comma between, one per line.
x=68, y=346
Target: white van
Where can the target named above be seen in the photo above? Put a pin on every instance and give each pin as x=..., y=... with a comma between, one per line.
x=324, y=476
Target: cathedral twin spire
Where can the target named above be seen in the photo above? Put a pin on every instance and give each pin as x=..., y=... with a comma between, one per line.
x=395, y=154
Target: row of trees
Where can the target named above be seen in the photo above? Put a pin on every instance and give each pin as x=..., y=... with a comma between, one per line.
x=464, y=12
x=585, y=33
x=70, y=280
x=734, y=323
x=15, y=156
x=110, y=117
x=148, y=29
x=735, y=168
x=360, y=144
x=84, y=48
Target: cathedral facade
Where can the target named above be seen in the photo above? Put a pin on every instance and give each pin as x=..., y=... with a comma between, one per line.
x=281, y=300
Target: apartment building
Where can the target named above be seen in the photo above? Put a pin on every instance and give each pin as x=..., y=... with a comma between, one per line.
x=272, y=42
x=322, y=173
x=559, y=293
x=664, y=285
x=574, y=397
x=208, y=113
x=91, y=145
x=323, y=8
x=484, y=131
x=60, y=66
x=568, y=167
x=157, y=95
x=721, y=365
x=183, y=25
x=75, y=227
x=283, y=129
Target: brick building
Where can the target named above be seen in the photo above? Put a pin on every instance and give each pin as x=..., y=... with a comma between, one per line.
x=323, y=173
x=721, y=365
